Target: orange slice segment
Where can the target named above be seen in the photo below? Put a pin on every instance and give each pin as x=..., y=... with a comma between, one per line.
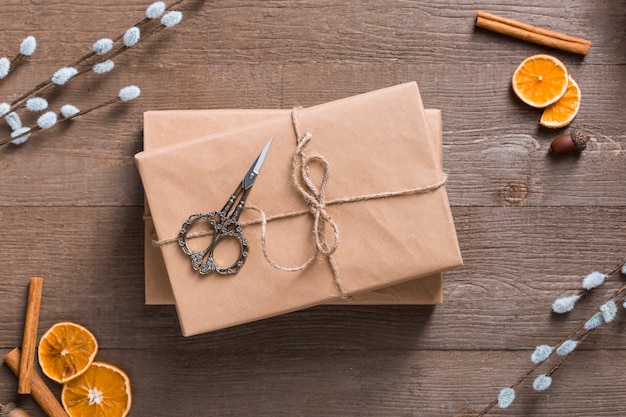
x=561, y=113
x=540, y=80
x=66, y=350
x=103, y=390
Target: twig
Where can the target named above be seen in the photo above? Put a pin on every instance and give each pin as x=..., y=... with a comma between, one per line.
x=126, y=94
x=585, y=335
x=48, y=84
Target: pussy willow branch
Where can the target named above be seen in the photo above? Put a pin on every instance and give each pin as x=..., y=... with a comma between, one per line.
x=585, y=335
x=569, y=336
x=16, y=59
x=138, y=24
x=124, y=47
x=47, y=85
x=64, y=119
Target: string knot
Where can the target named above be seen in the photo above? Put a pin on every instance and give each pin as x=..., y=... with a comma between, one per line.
x=314, y=195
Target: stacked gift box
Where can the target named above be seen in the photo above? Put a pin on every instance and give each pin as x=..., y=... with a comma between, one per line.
x=392, y=235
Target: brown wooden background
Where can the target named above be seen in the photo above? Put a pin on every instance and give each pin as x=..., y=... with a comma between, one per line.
x=530, y=226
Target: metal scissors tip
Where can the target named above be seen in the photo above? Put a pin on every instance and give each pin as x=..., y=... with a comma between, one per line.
x=256, y=166
x=261, y=157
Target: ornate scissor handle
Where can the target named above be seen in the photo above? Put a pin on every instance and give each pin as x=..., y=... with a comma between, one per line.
x=223, y=228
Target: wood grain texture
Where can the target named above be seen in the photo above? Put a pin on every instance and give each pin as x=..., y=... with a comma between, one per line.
x=530, y=226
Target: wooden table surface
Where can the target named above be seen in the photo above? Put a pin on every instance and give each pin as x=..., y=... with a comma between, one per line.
x=530, y=226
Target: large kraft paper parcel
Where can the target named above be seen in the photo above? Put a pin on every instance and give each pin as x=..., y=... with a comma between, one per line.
x=384, y=192
x=167, y=127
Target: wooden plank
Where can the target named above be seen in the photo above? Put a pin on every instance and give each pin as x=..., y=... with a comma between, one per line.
x=489, y=164
x=332, y=383
x=356, y=383
x=517, y=261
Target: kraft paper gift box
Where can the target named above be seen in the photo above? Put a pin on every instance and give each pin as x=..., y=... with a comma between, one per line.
x=167, y=127
x=385, y=194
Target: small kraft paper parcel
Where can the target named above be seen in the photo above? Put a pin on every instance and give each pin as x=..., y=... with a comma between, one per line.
x=167, y=127
x=350, y=198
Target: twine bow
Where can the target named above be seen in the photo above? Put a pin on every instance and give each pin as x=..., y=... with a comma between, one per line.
x=314, y=197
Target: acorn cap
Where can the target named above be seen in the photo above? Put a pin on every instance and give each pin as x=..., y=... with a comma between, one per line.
x=6, y=409
x=11, y=410
x=580, y=138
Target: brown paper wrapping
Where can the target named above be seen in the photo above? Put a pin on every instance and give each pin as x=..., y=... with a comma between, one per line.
x=374, y=143
x=167, y=127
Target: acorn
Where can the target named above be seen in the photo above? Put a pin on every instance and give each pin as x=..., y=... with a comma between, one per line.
x=570, y=143
x=10, y=410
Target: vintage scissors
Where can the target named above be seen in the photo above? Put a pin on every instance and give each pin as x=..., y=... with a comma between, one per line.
x=223, y=225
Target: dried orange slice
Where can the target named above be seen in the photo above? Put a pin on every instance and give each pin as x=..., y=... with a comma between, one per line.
x=66, y=350
x=540, y=80
x=103, y=390
x=561, y=113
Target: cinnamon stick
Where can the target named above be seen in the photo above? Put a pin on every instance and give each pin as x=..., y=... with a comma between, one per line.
x=29, y=340
x=532, y=34
x=40, y=391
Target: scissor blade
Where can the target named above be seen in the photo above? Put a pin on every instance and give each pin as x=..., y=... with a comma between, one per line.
x=252, y=173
